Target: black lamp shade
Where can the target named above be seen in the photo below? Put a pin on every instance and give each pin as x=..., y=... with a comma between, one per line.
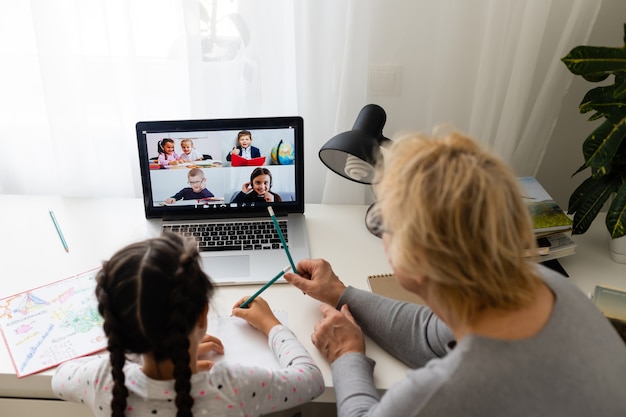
x=355, y=153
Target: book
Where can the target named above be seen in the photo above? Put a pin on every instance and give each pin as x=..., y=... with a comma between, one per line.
x=547, y=215
x=238, y=161
x=388, y=286
x=51, y=324
x=612, y=303
x=556, y=245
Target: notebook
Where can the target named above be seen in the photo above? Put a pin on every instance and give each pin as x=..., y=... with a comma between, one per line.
x=175, y=194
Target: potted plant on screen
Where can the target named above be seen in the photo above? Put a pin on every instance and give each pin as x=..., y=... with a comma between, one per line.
x=604, y=149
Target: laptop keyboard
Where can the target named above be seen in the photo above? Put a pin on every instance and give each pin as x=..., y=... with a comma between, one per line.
x=258, y=235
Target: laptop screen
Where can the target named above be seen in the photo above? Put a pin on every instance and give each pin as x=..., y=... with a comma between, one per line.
x=221, y=168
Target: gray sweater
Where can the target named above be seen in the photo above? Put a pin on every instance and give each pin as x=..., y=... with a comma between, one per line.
x=576, y=365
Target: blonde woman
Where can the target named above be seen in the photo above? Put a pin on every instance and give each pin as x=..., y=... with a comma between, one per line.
x=499, y=335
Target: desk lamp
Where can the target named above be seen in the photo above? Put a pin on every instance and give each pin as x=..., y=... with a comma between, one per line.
x=355, y=153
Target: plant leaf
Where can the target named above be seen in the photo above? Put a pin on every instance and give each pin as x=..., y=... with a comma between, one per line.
x=581, y=168
x=605, y=100
x=620, y=87
x=597, y=115
x=578, y=196
x=602, y=144
x=594, y=63
x=616, y=216
x=589, y=198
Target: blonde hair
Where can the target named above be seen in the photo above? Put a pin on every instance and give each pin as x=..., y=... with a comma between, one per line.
x=187, y=140
x=195, y=172
x=455, y=214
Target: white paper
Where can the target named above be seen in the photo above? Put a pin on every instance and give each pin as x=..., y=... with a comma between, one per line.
x=243, y=343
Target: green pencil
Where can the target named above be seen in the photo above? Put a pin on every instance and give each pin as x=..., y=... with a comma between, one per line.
x=282, y=239
x=263, y=288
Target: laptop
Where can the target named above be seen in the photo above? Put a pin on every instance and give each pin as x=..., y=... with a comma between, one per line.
x=205, y=196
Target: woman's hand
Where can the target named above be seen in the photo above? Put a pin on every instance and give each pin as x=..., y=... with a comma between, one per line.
x=337, y=333
x=317, y=279
x=258, y=314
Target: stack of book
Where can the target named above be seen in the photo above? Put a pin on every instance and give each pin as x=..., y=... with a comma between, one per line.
x=553, y=228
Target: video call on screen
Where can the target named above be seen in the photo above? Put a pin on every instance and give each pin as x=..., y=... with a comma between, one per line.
x=224, y=178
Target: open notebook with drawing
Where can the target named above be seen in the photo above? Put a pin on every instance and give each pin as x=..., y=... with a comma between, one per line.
x=209, y=198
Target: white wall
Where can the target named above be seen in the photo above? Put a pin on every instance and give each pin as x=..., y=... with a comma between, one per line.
x=564, y=153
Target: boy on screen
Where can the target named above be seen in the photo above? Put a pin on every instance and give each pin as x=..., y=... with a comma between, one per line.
x=197, y=191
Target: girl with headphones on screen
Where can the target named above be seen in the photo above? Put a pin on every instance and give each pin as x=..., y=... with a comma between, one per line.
x=258, y=189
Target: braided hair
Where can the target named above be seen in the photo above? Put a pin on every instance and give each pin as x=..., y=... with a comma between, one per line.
x=150, y=295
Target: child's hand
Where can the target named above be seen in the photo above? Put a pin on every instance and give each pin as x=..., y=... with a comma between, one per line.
x=247, y=187
x=258, y=314
x=269, y=197
x=235, y=151
x=208, y=344
x=170, y=200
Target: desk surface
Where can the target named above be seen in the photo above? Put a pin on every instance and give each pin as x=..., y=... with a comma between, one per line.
x=32, y=255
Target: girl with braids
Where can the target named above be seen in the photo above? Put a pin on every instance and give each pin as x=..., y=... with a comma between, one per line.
x=154, y=298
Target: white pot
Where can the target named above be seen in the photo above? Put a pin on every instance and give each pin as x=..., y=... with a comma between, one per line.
x=618, y=249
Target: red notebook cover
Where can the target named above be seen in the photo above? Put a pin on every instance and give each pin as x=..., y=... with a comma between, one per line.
x=238, y=161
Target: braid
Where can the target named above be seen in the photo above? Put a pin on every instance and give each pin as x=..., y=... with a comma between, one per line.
x=120, y=392
x=115, y=348
x=182, y=375
x=182, y=313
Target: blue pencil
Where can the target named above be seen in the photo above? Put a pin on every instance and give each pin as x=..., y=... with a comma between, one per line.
x=263, y=288
x=282, y=239
x=59, y=232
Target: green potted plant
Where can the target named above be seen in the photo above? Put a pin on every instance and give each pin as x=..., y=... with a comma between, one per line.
x=604, y=149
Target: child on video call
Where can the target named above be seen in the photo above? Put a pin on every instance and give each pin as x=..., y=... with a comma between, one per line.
x=258, y=189
x=197, y=191
x=244, y=147
x=154, y=298
x=189, y=152
x=167, y=156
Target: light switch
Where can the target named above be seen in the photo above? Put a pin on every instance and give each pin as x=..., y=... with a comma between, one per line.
x=385, y=80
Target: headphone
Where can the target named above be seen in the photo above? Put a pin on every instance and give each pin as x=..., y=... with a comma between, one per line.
x=261, y=171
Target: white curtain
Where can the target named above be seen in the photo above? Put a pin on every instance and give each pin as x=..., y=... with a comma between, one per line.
x=76, y=76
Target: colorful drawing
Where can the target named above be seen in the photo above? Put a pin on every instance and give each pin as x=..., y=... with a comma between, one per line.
x=51, y=324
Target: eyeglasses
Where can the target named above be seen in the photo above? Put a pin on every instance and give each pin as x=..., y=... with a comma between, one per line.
x=374, y=221
x=195, y=182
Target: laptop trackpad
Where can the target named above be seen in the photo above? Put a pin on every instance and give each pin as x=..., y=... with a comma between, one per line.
x=220, y=267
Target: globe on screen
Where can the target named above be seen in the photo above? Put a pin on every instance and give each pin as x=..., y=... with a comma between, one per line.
x=283, y=153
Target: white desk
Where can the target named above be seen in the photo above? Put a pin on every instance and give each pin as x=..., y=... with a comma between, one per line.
x=32, y=255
